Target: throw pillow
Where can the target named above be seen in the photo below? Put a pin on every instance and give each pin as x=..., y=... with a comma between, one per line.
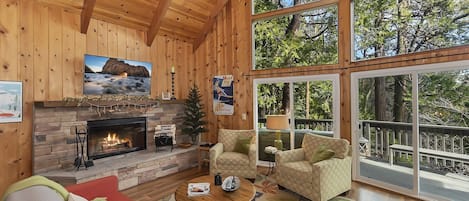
x=321, y=153
x=242, y=145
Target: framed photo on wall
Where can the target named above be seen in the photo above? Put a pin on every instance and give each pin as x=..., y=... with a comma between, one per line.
x=223, y=95
x=11, y=104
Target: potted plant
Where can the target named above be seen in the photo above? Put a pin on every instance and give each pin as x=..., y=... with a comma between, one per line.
x=193, y=123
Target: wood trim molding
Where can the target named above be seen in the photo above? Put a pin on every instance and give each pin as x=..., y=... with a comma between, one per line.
x=209, y=23
x=156, y=22
x=295, y=9
x=88, y=6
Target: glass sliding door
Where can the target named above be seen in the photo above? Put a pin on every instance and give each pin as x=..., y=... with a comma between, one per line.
x=444, y=133
x=385, y=138
x=310, y=102
x=411, y=129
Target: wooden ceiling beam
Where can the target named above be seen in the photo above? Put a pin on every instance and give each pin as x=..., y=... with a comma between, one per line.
x=86, y=12
x=209, y=23
x=163, y=6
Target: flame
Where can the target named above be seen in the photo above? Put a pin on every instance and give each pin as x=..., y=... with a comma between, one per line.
x=124, y=74
x=112, y=140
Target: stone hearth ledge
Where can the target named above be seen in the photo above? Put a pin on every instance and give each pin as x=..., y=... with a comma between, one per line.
x=132, y=169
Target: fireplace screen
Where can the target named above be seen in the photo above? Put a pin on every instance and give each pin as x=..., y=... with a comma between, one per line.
x=115, y=136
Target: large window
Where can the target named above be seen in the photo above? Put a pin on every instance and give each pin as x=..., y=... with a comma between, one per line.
x=311, y=104
x=389, y=28
x=411, y=129
x=296, y=39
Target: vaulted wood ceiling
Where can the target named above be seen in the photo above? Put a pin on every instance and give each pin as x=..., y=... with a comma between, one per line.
x=187, y=19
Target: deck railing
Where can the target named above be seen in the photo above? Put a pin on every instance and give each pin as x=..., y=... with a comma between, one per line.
x=379, y=136
x=313, y=124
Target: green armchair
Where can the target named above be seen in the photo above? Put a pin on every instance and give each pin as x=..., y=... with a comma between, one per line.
x=225, y=161
x=322, y=180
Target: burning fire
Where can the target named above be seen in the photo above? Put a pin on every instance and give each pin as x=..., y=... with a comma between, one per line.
x=113, y=140
x=124, y=74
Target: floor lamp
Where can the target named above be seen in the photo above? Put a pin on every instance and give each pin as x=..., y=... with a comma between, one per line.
x=277, y=122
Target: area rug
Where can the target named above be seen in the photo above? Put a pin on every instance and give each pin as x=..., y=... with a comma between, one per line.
x=267, y=190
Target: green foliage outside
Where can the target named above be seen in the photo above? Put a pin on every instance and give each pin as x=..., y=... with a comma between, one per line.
x=193, y=124
x=381, y=28
x=388, y=28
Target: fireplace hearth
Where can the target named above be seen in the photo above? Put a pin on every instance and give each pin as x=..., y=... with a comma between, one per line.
x=115, y=136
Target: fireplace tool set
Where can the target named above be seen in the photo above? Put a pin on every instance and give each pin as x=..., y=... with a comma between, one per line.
x=80, y=138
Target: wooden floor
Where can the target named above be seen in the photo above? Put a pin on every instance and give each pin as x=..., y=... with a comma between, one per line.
x=157, y=189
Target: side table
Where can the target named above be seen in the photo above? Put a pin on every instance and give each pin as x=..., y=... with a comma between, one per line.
x=203, y=150
x=270, y=151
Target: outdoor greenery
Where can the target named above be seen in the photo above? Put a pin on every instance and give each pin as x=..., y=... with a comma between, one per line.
x=381, y=28
x=300, y=39
x=388, y=28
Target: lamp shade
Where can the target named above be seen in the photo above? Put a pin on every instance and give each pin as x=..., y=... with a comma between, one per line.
x=277, y=122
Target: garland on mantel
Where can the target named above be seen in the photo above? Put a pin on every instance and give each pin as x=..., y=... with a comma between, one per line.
x=115, y=103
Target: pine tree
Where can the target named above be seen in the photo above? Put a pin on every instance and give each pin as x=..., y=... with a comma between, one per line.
x=193, y=123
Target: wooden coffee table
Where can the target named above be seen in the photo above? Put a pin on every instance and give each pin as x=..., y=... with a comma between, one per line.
x=246, y=191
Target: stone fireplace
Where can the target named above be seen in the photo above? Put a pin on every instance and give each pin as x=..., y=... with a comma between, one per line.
x=112, y=137
x=128, y=132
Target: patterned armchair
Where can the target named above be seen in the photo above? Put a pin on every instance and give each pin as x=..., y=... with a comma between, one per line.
x=227, y=162
x=322, y=180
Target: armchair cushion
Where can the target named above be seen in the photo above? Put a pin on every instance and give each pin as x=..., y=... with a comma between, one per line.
x=232, y=159
x=243, y=144
x=229, y=137
x=321, y=153
x=312, y=142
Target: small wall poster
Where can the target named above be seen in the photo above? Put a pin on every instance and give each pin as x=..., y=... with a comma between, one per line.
x=223, y=95
x=11, y=102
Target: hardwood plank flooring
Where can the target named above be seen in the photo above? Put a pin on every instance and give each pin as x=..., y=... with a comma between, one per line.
x=159, y=188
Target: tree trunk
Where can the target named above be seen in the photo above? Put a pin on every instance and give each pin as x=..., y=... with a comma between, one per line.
x=380, y=99
x=398, y=107
x=285, y=108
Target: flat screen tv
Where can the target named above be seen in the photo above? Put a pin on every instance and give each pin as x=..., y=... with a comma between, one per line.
x=105, y=75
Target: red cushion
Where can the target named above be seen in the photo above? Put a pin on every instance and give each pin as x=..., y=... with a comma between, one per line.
x=103, y=187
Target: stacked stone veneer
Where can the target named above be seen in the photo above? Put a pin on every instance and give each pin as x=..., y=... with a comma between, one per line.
x=54, y=144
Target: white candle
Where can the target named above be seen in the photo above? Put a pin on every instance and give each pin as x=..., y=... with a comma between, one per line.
x=172, y=69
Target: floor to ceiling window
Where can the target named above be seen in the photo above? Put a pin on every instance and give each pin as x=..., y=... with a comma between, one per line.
x=310, y=102
x=411, y=129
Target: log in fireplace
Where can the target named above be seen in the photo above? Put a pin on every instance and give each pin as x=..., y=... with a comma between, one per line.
x=116, y=136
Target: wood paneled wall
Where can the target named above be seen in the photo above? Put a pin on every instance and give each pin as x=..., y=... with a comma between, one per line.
x=43, y=47
x=227, y=51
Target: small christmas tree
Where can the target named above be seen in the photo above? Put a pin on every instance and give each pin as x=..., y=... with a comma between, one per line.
x=193, y=124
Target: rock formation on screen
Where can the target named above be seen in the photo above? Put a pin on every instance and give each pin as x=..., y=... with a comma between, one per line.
x=116, y=67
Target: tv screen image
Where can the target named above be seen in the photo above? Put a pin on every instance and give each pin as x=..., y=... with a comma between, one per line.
x=105, y=75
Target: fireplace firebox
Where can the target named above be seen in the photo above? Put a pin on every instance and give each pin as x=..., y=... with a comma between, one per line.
x=116, y=136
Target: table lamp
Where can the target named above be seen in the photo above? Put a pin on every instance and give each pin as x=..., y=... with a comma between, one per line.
x=277, y=122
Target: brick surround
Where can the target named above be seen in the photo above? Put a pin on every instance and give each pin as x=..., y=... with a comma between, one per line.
x=54, y=146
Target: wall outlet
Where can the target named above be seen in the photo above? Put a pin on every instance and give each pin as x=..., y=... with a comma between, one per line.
x=243, y=116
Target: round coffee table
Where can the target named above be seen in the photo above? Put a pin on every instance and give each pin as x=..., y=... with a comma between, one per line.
x=246, y=191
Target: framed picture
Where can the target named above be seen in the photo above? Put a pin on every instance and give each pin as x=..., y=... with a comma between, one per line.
x=11, y=106
x=223, y=95
x=113, y=76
